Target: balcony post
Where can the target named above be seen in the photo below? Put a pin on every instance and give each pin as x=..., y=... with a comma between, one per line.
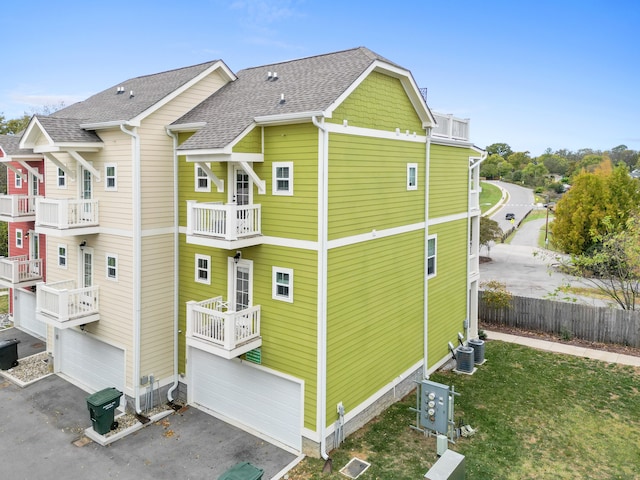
x=190, y=319
x=232, y=220
x=190, y=216
x=229, y=330
x=63, y=305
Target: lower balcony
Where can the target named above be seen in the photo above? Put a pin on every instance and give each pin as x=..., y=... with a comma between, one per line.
x=66, y=216
x=62, y=305
x=20, y=271
x=212, y=327
x=17, y=208
x=223, y=226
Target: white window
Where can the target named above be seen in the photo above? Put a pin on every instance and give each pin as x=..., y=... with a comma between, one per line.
x=19, y=238
x=112, y=266
x=203, y=269
x=282, y=178
x=62, y=256
x=431, y=257
x=62, y=179
x=282, y=284
x=202, y=180
x=412, y=176
x=18, y=178
x=110, y=181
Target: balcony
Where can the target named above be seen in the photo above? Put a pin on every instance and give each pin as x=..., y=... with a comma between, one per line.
x=212, y=327
x=18, y=208
x=223, y=226
x=20, y=271
x=65, y=217
x=63, y=305
x=451, y=127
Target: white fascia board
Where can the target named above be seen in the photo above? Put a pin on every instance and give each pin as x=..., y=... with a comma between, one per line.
x=478, y=149
x=219, y=65
x=207, y=155
x=64, y=147
x=244, y=133
x=287, y=118
x=31, y=133
x=450, y=142
x=21, y=158
x=370, y=132
x=186, y=127
x=105, y=125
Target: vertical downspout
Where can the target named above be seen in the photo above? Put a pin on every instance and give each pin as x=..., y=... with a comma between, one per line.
x=137, y=253
x=425, y=368
x=176, y=261
x=323, y=194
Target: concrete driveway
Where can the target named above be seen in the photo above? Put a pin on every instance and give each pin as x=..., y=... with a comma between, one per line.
x=40, y=423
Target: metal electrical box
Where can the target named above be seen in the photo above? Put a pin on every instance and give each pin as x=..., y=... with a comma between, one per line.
x=434, y=406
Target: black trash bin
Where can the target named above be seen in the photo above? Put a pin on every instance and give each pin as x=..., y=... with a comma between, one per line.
x=102, y=406
x=242, y=471
x=9, y=353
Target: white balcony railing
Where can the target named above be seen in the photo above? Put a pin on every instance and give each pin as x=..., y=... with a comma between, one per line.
x=212, y=321
x=63, y=302
x=66, y=213
x=20, y=269
x=451, y=127
x=18, y=205
x=228, y=222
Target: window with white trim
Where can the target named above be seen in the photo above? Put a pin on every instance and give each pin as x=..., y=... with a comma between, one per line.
x=62, y=178
x=412, y=176
x=110, y=179
x=282, y=178
x=202, y=180
x=18, y=178
x=431, y=256
x=19, y=238
x=62, y=256
x=112, y=266
x=203, y=269
x=282, y=284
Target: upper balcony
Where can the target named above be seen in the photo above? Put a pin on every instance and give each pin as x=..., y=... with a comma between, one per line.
x=212, y=327
x=18, y=208
x=20, y=271
x=63, y=305
x=66, y=217
x=227, y=226
x=451, y=127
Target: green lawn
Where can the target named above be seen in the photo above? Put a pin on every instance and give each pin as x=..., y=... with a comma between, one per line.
x=489, y=196
x=538, y=415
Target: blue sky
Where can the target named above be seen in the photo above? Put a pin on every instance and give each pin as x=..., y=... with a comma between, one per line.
x=533, y=74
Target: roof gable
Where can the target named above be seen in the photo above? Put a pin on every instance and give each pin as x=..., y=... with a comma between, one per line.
x=10, y=147
x=56, y=132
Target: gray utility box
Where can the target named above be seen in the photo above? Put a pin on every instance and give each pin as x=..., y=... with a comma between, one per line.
x=450, y=466
x=434, y=406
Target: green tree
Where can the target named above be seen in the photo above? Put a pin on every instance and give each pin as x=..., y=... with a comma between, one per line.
x=613, y=267
x=534, y=173
x=489, y=168
x=490, y=231
x=580, y=213
x=519, y=159
x=13, y=126
x=554, y=163
x=501, y=149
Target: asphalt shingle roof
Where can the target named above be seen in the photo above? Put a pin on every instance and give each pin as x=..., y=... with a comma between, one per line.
x=148, y=90
x=11, y=145
x=308, y=84
x=67, y=130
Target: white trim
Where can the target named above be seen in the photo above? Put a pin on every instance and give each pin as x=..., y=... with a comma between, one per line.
x=406, y=136
x=17, y=179
x=288, y=118
x=435, y=256
x=63, y=177
x=290, y=242
x=452, y=143
x=19, y=238
x=374, y=234
x=107, y=177
x=275, y=178
x=206, y=269
x=65, y=256
x=274, y=284
x=448, y=218
x=107, y=256
x=414, y=167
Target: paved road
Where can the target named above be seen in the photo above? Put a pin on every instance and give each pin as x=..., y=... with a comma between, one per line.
x=519, y=202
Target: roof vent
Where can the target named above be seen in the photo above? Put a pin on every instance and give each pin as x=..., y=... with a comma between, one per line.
x=275, y=75
x=269, y=75
x=119, y=90
x=282, y=100
x=131, y=95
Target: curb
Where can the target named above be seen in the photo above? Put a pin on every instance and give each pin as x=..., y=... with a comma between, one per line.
x=107, y=439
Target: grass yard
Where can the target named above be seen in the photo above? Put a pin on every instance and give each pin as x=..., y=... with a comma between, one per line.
x=538, y=415
x=489, y=196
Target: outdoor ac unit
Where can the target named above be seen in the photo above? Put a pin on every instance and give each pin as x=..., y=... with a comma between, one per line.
x=478, y=348
x=465, y=358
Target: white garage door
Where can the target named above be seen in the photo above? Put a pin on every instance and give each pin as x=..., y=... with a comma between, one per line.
x=92, y=363
x=264, y=402
x=24, y=314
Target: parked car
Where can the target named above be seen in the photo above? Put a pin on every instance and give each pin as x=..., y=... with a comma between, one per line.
x=510, y=216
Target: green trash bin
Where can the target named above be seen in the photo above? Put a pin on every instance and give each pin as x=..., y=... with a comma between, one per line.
x=242, y=471
x=102, y=406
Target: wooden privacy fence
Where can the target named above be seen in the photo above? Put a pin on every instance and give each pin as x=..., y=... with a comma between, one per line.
x=595, y=324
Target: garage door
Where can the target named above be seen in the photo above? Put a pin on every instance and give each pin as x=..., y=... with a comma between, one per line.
x=91, y=363
x=266, y=403
x=24, y=314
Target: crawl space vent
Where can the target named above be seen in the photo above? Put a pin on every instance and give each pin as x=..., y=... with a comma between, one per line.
x=354, y=468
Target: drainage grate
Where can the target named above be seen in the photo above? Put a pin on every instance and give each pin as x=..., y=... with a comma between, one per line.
x=354, y=468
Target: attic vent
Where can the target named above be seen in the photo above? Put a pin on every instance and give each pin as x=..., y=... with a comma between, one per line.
x=282, y=100
x=119, y=90
x=131, y=95
x=275, y=75
x=269, y=75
